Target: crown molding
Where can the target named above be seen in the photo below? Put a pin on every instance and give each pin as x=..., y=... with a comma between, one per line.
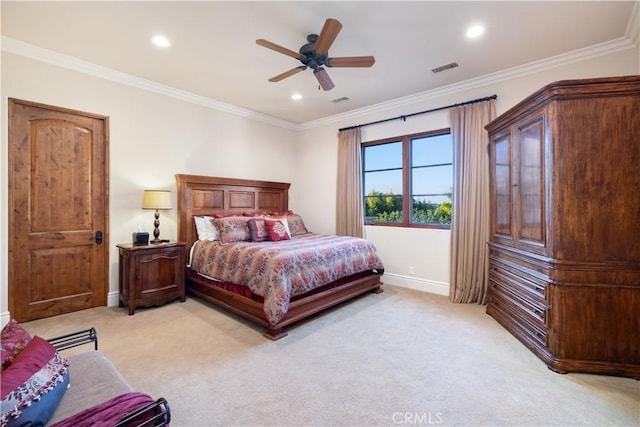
x=633, y=28
x=629, y=41
x=601, y=49
x=21, y=48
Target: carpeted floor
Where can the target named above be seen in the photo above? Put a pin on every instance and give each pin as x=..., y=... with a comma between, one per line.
x=398, y=358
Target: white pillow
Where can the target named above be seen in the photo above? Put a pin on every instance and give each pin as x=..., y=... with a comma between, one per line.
x=206, y=228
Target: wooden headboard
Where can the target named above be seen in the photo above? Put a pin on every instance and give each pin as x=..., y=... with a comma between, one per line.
x=206, y=195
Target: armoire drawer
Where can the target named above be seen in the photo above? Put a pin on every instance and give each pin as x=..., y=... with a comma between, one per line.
x=527, y=306
x=519, y=315
x=518, y=277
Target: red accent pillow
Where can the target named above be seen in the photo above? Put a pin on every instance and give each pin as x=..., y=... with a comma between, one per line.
x=30, y=360
x=13, y=339
x=278, y=229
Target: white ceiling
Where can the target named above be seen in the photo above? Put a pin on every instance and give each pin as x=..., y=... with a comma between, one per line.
x=214, y=55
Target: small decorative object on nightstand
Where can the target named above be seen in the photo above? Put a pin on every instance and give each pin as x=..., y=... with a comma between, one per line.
x=151, y=274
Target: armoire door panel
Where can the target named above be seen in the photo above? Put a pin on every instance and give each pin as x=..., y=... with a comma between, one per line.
x=503, y=188
x=530, y=185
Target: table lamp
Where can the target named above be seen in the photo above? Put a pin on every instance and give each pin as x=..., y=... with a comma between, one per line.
x=156, y=199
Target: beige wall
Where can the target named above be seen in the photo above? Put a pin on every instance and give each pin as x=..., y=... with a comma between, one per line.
x=153, y=136
x=427, y=251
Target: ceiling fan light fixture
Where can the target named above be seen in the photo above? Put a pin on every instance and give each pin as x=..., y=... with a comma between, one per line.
x=323, y=78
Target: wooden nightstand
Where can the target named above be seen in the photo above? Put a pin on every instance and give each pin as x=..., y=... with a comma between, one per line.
x=151, y=274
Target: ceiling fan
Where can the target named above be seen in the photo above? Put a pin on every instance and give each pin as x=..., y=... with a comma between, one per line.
x=315, y=53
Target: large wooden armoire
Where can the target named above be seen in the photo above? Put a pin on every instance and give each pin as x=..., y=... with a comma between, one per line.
x=565, y=224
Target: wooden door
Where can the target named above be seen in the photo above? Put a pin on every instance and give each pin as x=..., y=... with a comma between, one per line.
x=58, y=210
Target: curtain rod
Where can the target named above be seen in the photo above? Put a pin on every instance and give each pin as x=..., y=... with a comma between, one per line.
x=404, y=117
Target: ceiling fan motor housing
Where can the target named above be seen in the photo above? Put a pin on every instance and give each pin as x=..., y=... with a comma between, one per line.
x=309, y=56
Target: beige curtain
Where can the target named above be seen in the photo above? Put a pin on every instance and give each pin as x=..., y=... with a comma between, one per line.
x=349, y=219
x=470, y=221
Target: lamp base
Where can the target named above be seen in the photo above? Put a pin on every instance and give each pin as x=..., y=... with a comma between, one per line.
x=156, y=230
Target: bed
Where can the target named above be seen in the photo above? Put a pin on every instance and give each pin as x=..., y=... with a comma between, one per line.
x=200, y=196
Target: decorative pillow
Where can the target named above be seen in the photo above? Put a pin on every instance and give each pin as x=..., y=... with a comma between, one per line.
x=233, y=229
x=296, y=225
x=254, y=214
x=285, y=213
x=205, y=228
x=277, y=228
x=41, y=411
x=257, y=230
x=224, y=215
x=37, y=371
x=13, y=339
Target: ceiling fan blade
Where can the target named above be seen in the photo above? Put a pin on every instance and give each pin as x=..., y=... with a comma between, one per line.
x=350, y=61
x=278, y=48
x=329, y=32
x=323, y=78
x=288, y=73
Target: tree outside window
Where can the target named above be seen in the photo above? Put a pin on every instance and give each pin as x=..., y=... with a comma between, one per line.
x=420, y=166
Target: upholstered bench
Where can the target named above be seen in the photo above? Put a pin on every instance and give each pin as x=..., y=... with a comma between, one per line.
x=90, y=391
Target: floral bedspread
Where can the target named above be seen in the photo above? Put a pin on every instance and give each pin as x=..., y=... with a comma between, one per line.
x=280, y=270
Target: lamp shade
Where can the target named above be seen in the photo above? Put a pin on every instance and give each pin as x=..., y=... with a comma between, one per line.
x=156, y=199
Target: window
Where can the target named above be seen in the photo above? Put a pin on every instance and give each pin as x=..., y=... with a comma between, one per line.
x=419, y=166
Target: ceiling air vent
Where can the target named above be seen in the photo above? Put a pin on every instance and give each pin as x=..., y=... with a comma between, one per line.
x=445, y=67
x=335, y=101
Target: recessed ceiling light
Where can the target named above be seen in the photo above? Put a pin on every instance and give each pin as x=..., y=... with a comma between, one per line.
x=296, y=96
x=475, y=31
x=161, y=41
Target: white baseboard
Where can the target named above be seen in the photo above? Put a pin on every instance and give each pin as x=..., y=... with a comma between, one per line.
x=113, y=298
x=112, y=301
x=4, y=318
x=439, y=288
